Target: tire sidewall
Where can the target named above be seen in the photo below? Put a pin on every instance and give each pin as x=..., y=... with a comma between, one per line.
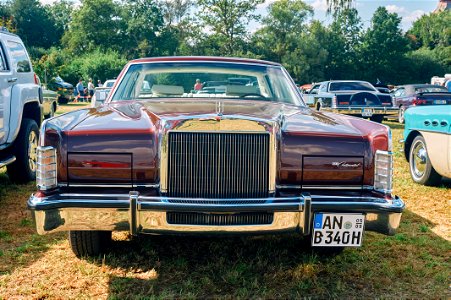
x=401, y=115
x=427, y=172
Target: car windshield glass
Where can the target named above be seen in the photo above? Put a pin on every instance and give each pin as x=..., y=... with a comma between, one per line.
x=351, y=86
x=431, y=89
x=206, y=80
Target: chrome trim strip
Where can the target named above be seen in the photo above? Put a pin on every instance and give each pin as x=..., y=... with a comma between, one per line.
x=152, y=185
x=324, y=187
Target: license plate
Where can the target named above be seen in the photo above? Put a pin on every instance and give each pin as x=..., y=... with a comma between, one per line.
x=331, y=230
x=439, y=101
x=367, y=112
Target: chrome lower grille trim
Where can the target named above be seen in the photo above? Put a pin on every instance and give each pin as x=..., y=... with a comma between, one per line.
x=213, y=165
x=193, y=218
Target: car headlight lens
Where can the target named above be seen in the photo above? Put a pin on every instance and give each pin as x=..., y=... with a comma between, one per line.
x=383, y=171
x=46, y=170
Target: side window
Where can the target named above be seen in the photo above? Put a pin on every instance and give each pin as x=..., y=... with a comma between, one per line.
x=323, y=87
x=314, y=89
x=3, y=65
x=398, y=92
x=20, y=60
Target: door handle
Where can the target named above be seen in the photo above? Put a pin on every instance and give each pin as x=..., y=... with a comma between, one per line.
x=12, y=79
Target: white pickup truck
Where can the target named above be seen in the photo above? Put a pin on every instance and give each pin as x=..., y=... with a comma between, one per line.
x=20, y=109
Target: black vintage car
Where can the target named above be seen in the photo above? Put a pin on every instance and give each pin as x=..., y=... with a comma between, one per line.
x=64, y=89
x=353, y=97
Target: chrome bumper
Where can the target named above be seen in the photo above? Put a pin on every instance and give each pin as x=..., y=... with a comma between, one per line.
x=141, y=214
x=359, y=110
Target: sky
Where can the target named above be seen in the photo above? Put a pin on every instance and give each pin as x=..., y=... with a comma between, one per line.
x=409, y=10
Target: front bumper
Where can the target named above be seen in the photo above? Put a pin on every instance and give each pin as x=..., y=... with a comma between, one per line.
x=142, y=214
x=359, y=110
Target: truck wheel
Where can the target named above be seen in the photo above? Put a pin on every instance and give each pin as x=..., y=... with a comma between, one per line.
x=421, y=169
x=89, y=243
x=401, y=112
x=24, y=168
x=377, y=118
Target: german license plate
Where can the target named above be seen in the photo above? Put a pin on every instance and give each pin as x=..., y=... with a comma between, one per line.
x=439, y=101
x=367, y=112
x=338, y=230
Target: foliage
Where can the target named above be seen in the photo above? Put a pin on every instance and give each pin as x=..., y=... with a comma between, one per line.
x=95, y=24
x=383, y=47
x=97, y=64
x=432, y=31
x=34, y=23
x=227, y=19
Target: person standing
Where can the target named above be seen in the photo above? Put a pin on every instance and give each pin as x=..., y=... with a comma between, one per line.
x=99, y=83
x=80, y=89
x=91, y=88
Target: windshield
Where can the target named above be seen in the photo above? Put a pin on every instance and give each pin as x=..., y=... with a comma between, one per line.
x=431, y=89
x=351, y=86
x=206, y=80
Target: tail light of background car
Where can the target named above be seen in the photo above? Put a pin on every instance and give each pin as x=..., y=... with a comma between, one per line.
x=46, y=170
x=36, y=79
x=417, y=101
x=334, y=102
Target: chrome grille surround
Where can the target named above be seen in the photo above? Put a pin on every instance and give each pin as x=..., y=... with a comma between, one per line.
x=194, y=218
x=224, y=165
x=213, y=124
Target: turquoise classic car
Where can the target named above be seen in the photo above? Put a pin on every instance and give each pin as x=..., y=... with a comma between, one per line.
x=427, y=137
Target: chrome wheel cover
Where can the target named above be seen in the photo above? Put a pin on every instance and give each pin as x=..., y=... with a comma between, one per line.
x=32, y=146
x=418, y=159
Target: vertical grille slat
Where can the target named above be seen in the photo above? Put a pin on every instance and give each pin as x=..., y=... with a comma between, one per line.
x=218, y=165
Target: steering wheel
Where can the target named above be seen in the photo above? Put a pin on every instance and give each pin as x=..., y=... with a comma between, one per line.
x=253, y=95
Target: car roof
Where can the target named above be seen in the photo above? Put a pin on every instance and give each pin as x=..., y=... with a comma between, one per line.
x=204, y=58
x=419, y=85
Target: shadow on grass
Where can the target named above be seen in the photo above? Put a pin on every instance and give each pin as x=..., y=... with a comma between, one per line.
x=411, y=263
x=20, y=245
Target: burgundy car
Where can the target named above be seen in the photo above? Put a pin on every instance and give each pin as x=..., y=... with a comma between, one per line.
x=419, y=94
x=159, y=157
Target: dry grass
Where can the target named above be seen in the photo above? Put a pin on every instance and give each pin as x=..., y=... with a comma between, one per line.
x=415, y=263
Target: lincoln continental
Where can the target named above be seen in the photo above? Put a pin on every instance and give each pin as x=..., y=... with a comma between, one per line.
x=167, y=155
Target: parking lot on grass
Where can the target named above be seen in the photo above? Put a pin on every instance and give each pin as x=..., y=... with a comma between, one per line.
x=415, y=263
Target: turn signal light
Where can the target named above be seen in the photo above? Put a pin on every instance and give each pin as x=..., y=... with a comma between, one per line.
x=383, y=171
x=46, y=168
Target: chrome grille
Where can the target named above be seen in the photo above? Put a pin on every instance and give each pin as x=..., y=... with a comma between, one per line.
x=218, y=165
x=193, y=218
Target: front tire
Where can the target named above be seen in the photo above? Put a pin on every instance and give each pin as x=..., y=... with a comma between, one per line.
x=62, y=100
x=421, y=169
x=89, y=243
x=23, y=169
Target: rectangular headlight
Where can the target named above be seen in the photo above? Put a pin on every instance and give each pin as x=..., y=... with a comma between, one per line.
x=383, y=171
x=46, y=170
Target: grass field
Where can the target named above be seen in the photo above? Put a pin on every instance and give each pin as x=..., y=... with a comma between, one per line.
x=415, y=263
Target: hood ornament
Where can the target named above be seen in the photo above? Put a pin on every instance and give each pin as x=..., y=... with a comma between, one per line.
x=219, y=110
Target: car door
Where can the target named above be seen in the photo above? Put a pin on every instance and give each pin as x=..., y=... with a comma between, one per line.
x=399, y=96
x=5, y=95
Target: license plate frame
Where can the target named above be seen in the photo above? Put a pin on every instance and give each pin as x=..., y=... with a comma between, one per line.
x=338, y=229
x=367, y=112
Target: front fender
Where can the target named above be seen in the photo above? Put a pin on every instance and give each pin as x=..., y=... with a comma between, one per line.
x=21, y=94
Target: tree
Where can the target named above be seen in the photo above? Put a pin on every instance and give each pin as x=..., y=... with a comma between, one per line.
x=344, y=40
x=61, y=13
x=383, y=47
x=143, y=22
x=282, y=27
x=227, y=19
x=34, y=23
x=95, y=24
x=432, y=31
